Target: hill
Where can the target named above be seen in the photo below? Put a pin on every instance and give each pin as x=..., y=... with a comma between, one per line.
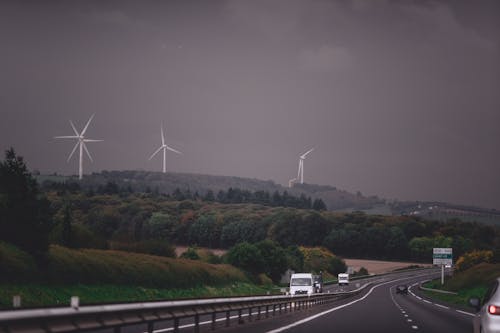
x=167, y=183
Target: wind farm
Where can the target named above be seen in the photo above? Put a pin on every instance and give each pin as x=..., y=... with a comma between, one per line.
x=80, y=144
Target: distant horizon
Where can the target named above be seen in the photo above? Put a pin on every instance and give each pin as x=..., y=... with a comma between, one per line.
x=399, y=98
x=270, y=180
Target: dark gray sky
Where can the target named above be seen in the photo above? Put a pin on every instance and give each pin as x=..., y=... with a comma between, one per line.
x=399, y=98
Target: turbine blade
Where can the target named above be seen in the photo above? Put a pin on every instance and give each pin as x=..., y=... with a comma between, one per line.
x=66, y=137
x=74, y=128
x=162, y=136
x=92, y=140
x=305, y=154
x=73, y=151
x=172, y=149
x=156, y=152
x=88, y=123
x=87, y=151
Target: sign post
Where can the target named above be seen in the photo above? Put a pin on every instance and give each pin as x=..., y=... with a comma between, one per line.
x=442, y=256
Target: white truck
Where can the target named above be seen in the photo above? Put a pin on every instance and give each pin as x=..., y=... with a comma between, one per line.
x=301, y=284
x=343, y=279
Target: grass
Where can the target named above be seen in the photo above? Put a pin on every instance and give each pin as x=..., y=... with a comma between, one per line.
x=461, y=299
x=37, y=295
x=470, y=283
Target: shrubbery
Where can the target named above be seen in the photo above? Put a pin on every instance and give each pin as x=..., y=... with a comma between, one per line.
x=473, y=258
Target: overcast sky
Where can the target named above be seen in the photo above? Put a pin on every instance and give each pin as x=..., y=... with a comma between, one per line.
x=400, y=99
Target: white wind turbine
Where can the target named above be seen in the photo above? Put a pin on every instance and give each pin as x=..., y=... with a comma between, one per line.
x=80, y=144
x=165, y=147
x=300, y=173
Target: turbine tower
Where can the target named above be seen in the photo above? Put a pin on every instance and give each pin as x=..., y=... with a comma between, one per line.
x=300, y=173
x=79, y=144
x=165, y=147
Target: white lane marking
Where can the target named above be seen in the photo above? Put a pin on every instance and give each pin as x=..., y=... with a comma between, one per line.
x=409, y=320
x=305, y=320
x=415, y=327
x=426, y=301
x=466, y=313
x=442, y=306
x=418, y=297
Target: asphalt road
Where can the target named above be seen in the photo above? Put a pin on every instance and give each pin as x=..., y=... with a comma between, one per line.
x=378, y=309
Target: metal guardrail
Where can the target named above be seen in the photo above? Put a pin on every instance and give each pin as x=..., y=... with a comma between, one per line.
x=116, y=316
x=71, y=319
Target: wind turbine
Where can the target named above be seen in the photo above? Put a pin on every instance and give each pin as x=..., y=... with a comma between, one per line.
x=165, y=147
x=300, y=173
x=80, y=144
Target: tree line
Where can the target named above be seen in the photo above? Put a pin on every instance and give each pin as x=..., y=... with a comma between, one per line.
x=146, y=222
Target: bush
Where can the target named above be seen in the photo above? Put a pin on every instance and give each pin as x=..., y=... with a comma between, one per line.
x=190, y=254
x=245, y=256
x=15, y=264
x=152, y=246
x=318, y=259
x=473, y=258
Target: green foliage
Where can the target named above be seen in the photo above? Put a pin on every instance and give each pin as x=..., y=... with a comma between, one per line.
x=190, y=254
x=16, y=265
x=421, y=247
x=318, y=260
x=245, y=256
x=274, y=259
x=473, y=258
x=25, y=218
x=41, y=295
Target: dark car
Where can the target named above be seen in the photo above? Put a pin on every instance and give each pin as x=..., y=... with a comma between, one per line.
x=402, y=289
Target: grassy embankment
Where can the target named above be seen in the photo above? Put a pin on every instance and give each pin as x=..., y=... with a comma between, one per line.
x=470, y=283
x=99, y=276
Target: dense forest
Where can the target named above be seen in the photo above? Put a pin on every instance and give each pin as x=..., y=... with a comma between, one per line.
x=107, y=220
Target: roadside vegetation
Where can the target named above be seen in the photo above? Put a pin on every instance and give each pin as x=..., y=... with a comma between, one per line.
x=60, y=236
x=474, y=272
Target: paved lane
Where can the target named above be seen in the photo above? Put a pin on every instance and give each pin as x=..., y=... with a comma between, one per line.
x=379, y=309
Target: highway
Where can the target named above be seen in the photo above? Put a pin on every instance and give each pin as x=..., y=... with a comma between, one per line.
x=378, y=309
x=367, y=305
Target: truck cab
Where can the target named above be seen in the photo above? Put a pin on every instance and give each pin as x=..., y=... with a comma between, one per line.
x=343, y=279
x=301, y=284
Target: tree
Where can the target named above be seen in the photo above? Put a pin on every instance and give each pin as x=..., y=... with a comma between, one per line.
x=25, y=218
x=274, y=259
x=318, y=204
x=66, y=226
x=246, y=256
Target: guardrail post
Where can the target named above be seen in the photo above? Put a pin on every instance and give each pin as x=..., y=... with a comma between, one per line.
x=196, y=323
x=267, y=311
x=150, y=327
x=228, y=318
x=176, y=325
x=258, y=312
x=240, y=319
x=250, y=314
x=274, y=309
x=16, y=301
x=213, y=321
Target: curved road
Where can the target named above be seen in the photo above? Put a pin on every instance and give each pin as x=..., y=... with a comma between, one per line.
x=377, y=309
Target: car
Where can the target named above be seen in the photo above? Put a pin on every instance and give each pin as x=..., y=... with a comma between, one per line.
x=487, y=319
x=402, y=289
